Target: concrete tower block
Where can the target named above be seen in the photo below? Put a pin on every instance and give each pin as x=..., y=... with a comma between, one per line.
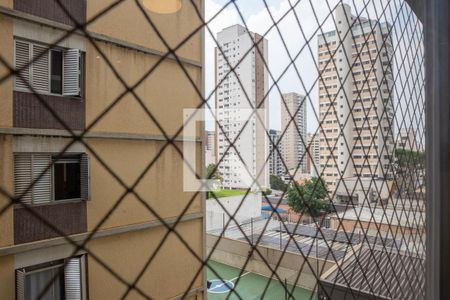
x=344, y=100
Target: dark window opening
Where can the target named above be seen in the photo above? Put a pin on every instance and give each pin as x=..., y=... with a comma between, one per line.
x=82, y=75
x=36, y=282
x=56, y=71
x=67, y=178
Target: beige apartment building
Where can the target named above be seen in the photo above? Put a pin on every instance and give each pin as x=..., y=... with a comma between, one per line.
x=276, y=166
x=238, y=93
x=313, y=156
x=355, y=65
x=294, y=138
x=407, y=139
x=78, y=184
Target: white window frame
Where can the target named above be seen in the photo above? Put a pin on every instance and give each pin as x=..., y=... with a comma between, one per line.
x=61, y=161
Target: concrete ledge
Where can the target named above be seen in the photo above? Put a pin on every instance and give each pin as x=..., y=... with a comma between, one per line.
x=193, y=292
x=93, y=135
x=80, y=238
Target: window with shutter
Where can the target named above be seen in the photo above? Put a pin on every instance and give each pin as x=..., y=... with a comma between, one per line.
x=53, y=280
x=22, y=177
x=22, y=64
x=46, y=281
x=71, y=73
x=42, y=189
x=55, y=178
x=85, y=174
x=20, y=285
x=27, y=169
x=40, y=69
x=72, y=279
x=47, y=70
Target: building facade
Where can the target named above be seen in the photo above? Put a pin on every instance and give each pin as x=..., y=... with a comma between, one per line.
x=407, y=139
x=313, y=156
x=275, y=164
x=293, y=107
x=65, y=188
x=356, y=105
x=210, y=147
x=237, y=95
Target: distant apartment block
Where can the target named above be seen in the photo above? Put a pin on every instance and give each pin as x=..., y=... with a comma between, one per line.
x=407, y=139
x=313, y=158
x=73, y=190
x=293, y=122
x=210, y=147
x=236, y=95
x=355, y=103
x=275, y=164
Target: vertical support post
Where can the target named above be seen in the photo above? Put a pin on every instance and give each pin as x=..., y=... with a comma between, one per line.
x=281, y=244
x=251, y=220
x=317, y=256
x=437, y=64
x=223, y=224
x=285, y=290
x=205, y=195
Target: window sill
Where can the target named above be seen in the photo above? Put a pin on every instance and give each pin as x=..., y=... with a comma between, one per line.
x=79, y=98
x=53, y=202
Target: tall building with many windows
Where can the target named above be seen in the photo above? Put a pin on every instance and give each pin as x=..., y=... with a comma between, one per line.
x=313, y=157
x=275, y=164
x=64, y=188
x=356, y=106
x=293, y=107
x=407, y=139
x=236, y=97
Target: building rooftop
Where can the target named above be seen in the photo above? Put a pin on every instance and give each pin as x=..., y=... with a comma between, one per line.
x=341, y=236
x=404, y=218
x=307, y=242
x=402, y=276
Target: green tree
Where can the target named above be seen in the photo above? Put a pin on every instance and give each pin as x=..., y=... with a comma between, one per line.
x=213, y=173
x=409, y=166
x=267, y=192
x=309, y=197
x=409, y=160
x=276, y=183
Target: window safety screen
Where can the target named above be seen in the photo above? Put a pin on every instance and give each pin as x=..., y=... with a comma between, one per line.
x=312, y=137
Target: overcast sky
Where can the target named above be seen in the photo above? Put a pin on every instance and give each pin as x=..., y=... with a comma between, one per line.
x=258, y=20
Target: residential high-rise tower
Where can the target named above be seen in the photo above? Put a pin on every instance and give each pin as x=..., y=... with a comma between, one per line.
x=313, y=158
x=355, y=103
x=294, y=139
x=238, y=94
x=275, y=164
